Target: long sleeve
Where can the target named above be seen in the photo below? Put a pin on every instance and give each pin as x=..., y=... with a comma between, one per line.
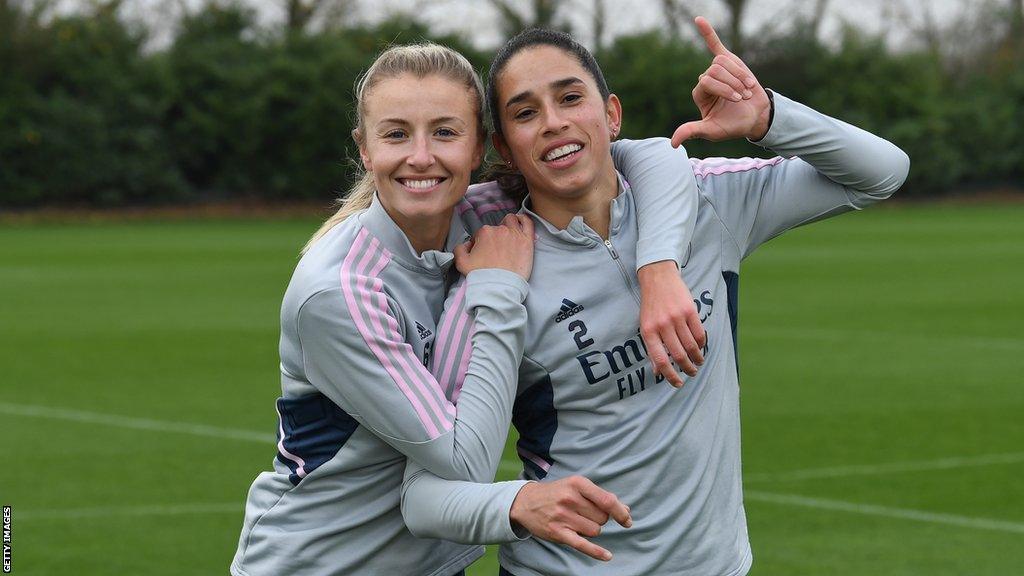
x=665, y=192
x=465, y=512
x=353, y=352
x=474, y=512
x=825, y=167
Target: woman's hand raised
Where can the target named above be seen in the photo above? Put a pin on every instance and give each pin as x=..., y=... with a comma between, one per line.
x=508, y=246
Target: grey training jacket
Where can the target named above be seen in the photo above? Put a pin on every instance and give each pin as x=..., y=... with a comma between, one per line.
x=361, y=392
x=587, y=401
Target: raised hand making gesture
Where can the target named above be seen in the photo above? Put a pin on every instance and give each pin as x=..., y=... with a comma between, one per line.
x=732, y=103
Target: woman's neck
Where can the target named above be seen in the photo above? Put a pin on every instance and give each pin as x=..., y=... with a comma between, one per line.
x=594, y=205
x=426, y=234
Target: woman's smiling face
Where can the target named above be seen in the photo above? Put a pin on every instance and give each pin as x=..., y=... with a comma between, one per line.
x=556, y=127
x=422, y=144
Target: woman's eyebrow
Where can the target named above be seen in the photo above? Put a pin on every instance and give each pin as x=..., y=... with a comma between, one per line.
x=556, y=85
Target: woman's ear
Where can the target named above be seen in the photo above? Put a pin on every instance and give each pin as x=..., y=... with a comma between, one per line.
x=363, y=155
x=502, y=147
x=614, y=111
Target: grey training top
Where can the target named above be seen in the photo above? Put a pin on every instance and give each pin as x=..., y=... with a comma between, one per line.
x=588, y=402
x=361, y=392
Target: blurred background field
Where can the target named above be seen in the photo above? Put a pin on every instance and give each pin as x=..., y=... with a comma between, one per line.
x=162, y=162
x=881, y=360
x=114, y=104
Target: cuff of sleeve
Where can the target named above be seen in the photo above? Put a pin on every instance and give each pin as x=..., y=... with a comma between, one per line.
x=659, y=256
x=498, y=278
x=779, y=121
x=513, y=533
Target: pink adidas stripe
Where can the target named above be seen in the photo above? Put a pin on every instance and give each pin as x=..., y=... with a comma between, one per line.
x=485, y=191
x=421, y=379
x=485, y=208
x=446, y=335
x=368, y=307
x=350, y=277
x=460, y=376
x=300, y=464
x=461, y=335
x=543, y=464
x=718, y=166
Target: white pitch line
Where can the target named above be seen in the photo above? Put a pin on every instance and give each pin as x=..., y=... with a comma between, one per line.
x=886, y=511
x=33, y=411
x=151, y=510
x=509, y=466
x=887, y=468
x=134, y=423
x=811, y=333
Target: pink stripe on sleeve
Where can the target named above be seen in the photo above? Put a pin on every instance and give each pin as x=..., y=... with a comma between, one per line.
x=418, y=376
x=489, y=207
x=355, y=281
x=422, y=379
x=485, y=191
x=460, y=335
x=543, y=464
x=460, y=376
x=300, y=464
x=717, y=166
x=448, y=336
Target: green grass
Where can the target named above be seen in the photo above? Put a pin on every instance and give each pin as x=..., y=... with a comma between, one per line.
x=889, y=336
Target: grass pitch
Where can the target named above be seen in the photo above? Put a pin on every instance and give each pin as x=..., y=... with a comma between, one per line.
x=882, y=363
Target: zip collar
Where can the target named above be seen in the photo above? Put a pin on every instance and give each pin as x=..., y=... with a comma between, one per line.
x=377, y=221
x=578, y=233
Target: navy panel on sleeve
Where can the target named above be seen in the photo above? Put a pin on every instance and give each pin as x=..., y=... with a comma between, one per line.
x=732, y=286
x=314, y=430
x=535, y=418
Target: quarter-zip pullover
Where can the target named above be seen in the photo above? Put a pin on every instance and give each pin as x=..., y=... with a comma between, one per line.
x=362, y=393
x=588, y=402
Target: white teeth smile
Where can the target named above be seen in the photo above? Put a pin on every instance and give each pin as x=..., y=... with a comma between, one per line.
x=562, y=151
x=421, y=184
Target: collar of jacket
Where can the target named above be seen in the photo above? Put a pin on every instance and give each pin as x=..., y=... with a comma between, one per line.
x=578, y=233
x=377, y=221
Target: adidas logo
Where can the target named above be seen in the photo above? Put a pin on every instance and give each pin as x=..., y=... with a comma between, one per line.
x=569, y=308
x=424, y=333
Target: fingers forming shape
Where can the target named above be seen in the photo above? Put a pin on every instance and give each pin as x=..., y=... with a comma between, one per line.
x=728, y=74
x=707, y=31
x=723, y=75
x=690, y=130
x=712, y=85
x=716, y=47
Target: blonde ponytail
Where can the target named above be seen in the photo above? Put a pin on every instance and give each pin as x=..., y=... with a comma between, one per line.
x=359, y=198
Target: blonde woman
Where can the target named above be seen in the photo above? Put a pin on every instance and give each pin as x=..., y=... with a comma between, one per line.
x=360, y=392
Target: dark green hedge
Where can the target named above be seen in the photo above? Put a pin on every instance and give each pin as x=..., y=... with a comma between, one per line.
x=88, y=116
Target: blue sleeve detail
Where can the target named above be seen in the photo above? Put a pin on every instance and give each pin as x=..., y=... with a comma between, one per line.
x=732, y=286
x=536, y=419
x=314, y=430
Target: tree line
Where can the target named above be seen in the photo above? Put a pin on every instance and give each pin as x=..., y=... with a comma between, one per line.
x=90, y=116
